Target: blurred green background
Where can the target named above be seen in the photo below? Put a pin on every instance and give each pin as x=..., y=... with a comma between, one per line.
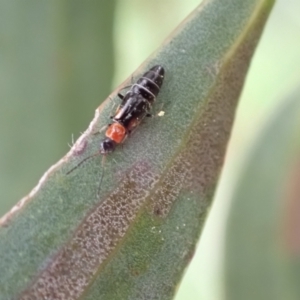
x=61, y=59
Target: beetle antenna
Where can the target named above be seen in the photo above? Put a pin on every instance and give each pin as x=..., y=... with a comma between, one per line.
x=101, y=177
x=81, y=162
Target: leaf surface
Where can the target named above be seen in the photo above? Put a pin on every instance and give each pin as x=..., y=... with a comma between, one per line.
x=135, y=240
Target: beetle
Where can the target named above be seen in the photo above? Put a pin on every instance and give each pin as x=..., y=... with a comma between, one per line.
x=135, y=105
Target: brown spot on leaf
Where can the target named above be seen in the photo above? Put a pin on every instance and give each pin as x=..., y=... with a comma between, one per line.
x=80, y=146
x=72, y=269
x=157, y=211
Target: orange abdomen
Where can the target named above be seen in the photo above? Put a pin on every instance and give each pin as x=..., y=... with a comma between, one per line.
x=116, y=132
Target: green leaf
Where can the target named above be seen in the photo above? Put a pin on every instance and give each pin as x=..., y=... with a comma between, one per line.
x=263, y=248
x=135, y=240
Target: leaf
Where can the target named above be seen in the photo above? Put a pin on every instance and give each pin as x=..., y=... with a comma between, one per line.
x=263, y=246
x=135, y=240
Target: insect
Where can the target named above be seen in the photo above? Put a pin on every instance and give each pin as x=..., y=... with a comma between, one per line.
x=135, y=105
